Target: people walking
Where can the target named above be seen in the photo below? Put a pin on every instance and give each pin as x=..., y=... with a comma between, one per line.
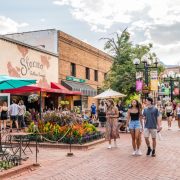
x=174, y=105
x=102, y=113
x=169, y=114
x=160, y=110
x=13, y=111
x=4, y=115
x=93, y=112
x=178, y=114
x=21, y=114
x=112, y=131
x=152, y=125
x=134, y=121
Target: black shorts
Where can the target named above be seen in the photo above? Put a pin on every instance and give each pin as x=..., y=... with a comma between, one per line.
x=169, y=114
x=14, y=118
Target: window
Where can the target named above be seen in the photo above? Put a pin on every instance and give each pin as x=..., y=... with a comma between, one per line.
x=73, y=69
x=95, y=75
x=87, y=73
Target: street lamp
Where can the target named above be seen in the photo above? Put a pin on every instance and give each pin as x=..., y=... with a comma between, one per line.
x=171, y=77
x=148, y=64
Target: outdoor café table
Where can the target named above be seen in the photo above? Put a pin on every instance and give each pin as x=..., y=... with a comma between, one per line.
x=20, y=134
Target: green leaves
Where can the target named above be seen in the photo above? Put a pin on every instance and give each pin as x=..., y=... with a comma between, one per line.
x=122, y=76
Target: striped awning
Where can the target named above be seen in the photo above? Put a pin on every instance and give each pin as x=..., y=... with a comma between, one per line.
x=85, y=89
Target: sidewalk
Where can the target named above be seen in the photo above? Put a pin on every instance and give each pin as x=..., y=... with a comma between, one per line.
x=115, y=164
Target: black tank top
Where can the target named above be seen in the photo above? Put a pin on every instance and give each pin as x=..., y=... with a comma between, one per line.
x=134, y=116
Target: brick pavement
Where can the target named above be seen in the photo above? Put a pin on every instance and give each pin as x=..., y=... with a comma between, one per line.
x=115, y=164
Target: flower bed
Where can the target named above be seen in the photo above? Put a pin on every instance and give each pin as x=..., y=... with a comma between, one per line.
x=75, y=134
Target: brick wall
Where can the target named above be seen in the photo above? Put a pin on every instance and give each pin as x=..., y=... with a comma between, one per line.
x=72, y=50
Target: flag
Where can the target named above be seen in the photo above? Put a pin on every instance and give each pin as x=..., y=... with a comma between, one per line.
x=154, y=85
x=139, y=85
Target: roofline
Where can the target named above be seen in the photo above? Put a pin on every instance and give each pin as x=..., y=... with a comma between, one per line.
x=172, y=66
x=31, y=31
x=27, y=45
x=97, y=50
x=58, y=31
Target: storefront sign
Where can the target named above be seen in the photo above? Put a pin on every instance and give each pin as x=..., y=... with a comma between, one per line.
x=20, y=61
x=71, y=78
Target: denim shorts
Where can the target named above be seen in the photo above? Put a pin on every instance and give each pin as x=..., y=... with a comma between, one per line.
x=134, y=124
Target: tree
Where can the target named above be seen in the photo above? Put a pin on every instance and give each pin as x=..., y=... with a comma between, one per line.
x=122, y=75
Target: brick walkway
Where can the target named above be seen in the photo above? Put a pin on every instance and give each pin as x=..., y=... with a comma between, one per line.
x=115, y=164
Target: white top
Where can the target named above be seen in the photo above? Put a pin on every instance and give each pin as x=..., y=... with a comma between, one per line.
x=22, y=110
x=102, y=108
x=14, y=109
x=178, y=110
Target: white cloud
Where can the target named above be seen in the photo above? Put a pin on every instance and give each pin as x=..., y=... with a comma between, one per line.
x=8, y=25
x=102, y=14
x=42, y=20
x=153, y=21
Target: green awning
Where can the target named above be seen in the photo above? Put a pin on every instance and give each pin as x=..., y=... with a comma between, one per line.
x=85, y=89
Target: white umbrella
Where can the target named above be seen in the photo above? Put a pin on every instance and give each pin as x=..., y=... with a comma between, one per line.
x=109, y=94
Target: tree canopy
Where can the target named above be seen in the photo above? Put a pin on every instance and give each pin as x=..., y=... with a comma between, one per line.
x=122, y=75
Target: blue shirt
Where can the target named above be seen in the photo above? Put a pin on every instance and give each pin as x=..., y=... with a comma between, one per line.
x=93, y=109
x=151, y=115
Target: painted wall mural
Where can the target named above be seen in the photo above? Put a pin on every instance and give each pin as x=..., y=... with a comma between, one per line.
x=19, y=61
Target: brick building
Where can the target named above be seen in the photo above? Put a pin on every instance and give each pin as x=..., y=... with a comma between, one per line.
x=82, y=67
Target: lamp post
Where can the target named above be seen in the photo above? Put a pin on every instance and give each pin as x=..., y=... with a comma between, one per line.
x=147, y=65
x=171, y=77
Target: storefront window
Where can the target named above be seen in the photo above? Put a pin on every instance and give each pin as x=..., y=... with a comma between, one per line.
x=84, y=102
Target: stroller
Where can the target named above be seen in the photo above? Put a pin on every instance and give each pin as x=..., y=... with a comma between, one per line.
x=122, y=122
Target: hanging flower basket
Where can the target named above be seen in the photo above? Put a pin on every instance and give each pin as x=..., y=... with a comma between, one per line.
x=33, y=98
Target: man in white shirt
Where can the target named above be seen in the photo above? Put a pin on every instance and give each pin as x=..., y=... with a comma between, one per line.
x=14, y=111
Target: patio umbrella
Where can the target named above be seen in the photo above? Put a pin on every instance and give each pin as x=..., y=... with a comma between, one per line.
x=109, y=94
x=7, y=82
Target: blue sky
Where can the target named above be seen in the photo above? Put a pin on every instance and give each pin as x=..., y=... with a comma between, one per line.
x=157, y=21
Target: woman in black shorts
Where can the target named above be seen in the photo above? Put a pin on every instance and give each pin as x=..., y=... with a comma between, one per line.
x=4, y=114
x=169, y=114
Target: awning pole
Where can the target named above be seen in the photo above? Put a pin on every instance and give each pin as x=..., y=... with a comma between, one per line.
x=40, y=104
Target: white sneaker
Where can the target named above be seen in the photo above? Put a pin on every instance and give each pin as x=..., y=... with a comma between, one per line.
x=138, y=152
x=109, y=147
x=134, y=153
